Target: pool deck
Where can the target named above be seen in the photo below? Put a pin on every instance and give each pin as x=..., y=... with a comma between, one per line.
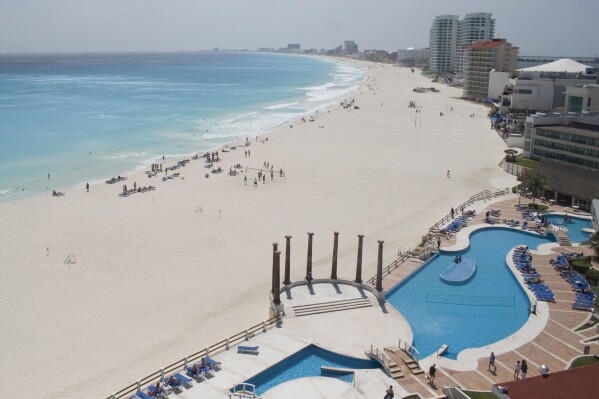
x=347, y=320
x=557, y=342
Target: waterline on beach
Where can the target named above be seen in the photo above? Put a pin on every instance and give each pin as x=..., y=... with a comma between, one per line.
x=90, y=117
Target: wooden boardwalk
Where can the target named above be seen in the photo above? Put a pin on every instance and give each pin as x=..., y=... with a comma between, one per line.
x=555, y=346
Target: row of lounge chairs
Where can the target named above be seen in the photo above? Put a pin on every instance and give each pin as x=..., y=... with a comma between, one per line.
x=113, y=180
x=137, y=190
x=585, y=297
x=177, y=381
x=532, y=278
x=456, y=225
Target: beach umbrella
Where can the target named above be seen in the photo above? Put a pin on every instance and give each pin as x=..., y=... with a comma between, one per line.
x=510, y=153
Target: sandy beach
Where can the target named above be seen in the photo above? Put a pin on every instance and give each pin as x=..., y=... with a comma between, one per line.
x=162, y=274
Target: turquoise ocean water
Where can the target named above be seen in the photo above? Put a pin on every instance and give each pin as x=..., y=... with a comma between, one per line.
x=88, y=117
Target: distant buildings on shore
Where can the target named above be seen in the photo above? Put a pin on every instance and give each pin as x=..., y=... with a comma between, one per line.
x=497, y=55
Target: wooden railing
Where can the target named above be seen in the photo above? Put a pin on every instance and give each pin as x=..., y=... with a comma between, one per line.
x=178, y=365
x=390, y=267
x=483, y=195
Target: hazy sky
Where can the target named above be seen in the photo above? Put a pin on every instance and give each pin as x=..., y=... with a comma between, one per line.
x=538, y=27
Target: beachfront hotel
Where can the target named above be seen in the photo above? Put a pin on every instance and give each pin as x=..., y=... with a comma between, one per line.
x=543, y=87
x=483, y=57
x=413, y=57
x=449, y=36
x=568, y=147
x=474, y=28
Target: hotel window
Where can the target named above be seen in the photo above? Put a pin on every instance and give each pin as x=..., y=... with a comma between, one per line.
x=575, y=104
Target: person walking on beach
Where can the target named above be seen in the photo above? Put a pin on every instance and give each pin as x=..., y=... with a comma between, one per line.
x=87, y=187
x=452, y=212
x=448, y=174
x=524, y=369
x=438, y=242
x=245, y=180
x=263, y=179
x=431, y=374
x=492, y=363
x=517, y=368
x=255, y=182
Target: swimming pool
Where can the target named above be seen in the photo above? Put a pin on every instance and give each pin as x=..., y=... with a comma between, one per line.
x=574, y=226
x=306, y=363
x=486, y=309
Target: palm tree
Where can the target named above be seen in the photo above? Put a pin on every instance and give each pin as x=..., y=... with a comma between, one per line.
x=593, y=243
x=535, y=183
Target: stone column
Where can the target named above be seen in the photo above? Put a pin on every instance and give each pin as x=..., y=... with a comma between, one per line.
x=309, y=262
x=379, y=268
x=359, y=265
x=287, y=279
x=277, y=282
x=274, y=249
x=335, y=248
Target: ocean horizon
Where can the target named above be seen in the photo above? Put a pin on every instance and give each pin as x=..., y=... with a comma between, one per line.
x=85, y=117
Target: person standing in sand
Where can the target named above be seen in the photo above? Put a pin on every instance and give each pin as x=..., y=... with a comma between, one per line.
x=87, y=187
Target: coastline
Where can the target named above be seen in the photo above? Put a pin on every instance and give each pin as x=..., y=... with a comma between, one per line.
x=156, y=279
x=196, y=132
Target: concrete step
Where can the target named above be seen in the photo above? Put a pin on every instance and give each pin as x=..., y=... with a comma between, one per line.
x=319, y=304
x=327, y=307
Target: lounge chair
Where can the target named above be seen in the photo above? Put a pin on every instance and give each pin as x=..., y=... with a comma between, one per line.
x=187, y=382
x=214, y=365
x=582, y=306
x=197, y=375
x=163, y=394
x=176, y=385
x=248, y=349
x=143, y=395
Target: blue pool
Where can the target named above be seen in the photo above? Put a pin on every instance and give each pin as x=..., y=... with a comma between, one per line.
x=574, y=226
x=486, y=309
x=306, y=363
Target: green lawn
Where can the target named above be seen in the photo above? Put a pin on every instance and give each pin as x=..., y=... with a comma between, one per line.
x=584, y=361
x=588, y=324
x=525, y=162
x=480, y=395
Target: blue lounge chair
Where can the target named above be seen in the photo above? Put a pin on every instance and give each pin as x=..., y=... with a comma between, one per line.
x=143, y=395
x=175, y=384
x=197, y=375
x=214, y=365
x=184, y=380
x=162, y=394
x=248, y=349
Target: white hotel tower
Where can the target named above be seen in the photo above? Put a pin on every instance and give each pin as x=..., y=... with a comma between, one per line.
x=449, y=35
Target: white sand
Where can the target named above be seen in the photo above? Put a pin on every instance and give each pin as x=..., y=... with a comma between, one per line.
x=155, y=280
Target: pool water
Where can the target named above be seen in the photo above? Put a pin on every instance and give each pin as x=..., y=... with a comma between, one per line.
x=306, y=363
x=486, y=309
x=574, y=226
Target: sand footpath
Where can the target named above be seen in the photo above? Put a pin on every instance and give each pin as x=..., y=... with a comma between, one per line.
x=161, y=274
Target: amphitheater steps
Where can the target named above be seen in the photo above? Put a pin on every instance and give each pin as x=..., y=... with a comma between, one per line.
x=332, y=306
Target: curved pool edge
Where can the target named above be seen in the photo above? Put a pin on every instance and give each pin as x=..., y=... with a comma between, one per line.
x=468, y=358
